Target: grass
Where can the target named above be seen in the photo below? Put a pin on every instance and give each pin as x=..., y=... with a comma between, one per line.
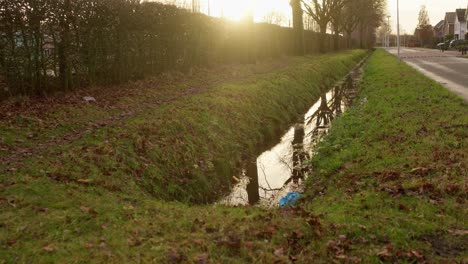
x=184, y=149
x=389, y=185
x=81, y=196
x=395, y=168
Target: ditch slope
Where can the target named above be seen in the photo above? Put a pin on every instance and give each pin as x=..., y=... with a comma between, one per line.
x=389, y=185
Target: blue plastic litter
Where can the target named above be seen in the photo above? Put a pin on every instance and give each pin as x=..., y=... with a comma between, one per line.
x=289, y=200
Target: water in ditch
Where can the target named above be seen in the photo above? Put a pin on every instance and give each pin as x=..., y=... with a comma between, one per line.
x=281, y=169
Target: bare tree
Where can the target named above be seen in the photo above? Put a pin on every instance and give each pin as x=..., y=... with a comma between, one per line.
x=350, y=19
x=337, y=21
x=371, y=14
x=275, y=18
x=320, y=11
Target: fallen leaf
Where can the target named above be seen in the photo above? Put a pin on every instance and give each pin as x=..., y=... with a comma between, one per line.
x=88, y=210
x=390, y=175
x=84, y=181
x=11, y=242
x=421, y=171
x=199, y=241
x=84, y=209
x=49, y=248
x=88, y=245
x=202, y=258
x=386, y=252
x=458, y=232
x=354, y=259
x=314, y=221
x=403, y=207
x=279, y=252
x=128, y=207
x=175, y=256
x=41, y=209
x=417, y=254
x=249, y=245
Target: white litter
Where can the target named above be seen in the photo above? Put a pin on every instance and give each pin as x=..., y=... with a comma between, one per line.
x=89, y=99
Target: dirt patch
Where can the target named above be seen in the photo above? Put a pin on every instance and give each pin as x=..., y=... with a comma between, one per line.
x=447, y=245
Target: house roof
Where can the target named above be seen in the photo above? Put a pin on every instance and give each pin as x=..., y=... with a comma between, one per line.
x=461, y=14
x=439, y=25
x=450, y=17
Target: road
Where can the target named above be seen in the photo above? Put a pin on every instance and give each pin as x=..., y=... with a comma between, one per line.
x=446, y=68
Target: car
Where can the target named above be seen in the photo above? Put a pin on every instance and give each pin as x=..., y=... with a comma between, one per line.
x=442, y=46
x=456, y=42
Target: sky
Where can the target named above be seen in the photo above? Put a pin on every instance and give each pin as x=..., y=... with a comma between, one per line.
x=409, y=10
x=236, y=9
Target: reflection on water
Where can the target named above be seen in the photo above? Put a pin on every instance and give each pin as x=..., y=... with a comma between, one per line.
x=282, y=169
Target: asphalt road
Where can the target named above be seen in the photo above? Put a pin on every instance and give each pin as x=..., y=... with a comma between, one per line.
x=447, y=68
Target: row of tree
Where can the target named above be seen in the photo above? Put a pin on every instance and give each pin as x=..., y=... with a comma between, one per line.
x=343, y=17
x=49, y=45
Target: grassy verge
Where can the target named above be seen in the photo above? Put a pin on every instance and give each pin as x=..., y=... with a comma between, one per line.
x=389, y=185
x=391, y=177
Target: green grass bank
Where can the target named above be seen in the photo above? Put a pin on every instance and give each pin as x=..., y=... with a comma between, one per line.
x=389, y=186
x=390, y=179
x=186, y=149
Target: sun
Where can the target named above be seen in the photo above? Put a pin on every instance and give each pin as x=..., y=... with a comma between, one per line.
x=231, y=9
x=239, y=9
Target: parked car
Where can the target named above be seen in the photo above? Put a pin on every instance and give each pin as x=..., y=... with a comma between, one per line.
x=456, y=42
x=443, y=46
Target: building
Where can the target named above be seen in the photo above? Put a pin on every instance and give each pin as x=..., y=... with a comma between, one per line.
x=439, y=29
x=449, y=24
x=48, y=46
x=460, y=25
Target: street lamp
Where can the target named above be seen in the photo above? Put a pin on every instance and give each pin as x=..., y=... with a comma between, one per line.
x=398, y=29
x=388, y=32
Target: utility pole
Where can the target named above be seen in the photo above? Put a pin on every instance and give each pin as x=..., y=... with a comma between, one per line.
x=388, y=32
x=398, y=29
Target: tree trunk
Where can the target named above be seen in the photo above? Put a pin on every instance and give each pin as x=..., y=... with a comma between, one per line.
x=336, y=41
x=349, y=40
x=37, y=61
x=63, y=50
x=298, y=25
x=361, y=36
x=323, y=38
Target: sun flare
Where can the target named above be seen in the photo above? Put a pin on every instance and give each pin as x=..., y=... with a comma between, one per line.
x=238, y=9
x=231, y=9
